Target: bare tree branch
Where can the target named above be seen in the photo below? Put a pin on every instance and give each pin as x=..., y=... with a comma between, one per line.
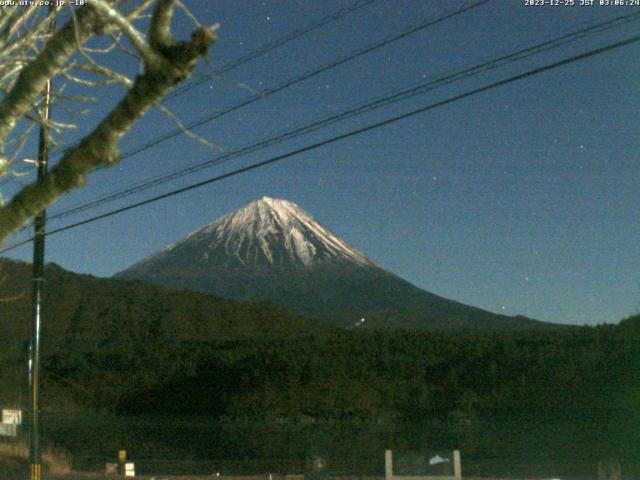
x=139, y=10
x=16, y=21
x=166, y=63
x=149, y=55
x=160, y=31
x=188, y=13
x=185, y=130
x=49, y=62
x=95, y=67
x=35, y=32
x=110, y=74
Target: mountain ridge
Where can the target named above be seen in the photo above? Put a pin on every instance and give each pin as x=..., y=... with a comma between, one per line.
x=276, y=227
x=272, y=250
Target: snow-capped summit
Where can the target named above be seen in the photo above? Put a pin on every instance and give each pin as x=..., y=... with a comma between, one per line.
x=276, y=232
x=273, y=250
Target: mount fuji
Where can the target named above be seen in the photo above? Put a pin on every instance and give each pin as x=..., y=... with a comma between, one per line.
x=272, y=250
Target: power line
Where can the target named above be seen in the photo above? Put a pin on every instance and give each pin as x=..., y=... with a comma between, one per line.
x=264, y=49
x=426, y=23
x=352, y=133
x=395, y=97
x=411, y=30
x=305, y=76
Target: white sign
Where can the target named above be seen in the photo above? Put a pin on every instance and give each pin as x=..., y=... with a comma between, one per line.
x=12, y=416
x=129, y=469
x=8, y=429
x=438, y=459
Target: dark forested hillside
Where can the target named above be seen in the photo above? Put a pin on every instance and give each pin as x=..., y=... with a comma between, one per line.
x=564, y=397
x=134, y=349
x=587, y=373
x=106, y=327
x=117, y=341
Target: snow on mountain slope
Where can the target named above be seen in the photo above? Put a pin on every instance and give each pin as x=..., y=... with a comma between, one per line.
x=271, y=232
x=272, y=250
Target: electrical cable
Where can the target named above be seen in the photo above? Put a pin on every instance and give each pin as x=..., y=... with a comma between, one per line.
x=395, y=97
x=264, y=49
x=302, y=77
x=349, y=134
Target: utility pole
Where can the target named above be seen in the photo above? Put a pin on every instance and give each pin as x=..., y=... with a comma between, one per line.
x=37, y=287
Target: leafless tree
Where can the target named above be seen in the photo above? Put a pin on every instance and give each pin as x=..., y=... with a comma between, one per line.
x=32, y=53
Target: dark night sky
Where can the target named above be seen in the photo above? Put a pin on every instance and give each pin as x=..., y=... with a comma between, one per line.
x=521, y=200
